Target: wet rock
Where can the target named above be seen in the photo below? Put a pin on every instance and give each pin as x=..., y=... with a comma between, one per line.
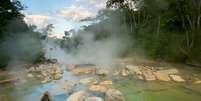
x=78, y=96
x=177, y=78
x=134, y=69
x=84, y=70
x=94, y=99
x=106, y=84
x=148, y=75
x=97, y=88
x=114, y=95
x=102, y=72
x=89, y=80
x=162, y=76
x=46, y=97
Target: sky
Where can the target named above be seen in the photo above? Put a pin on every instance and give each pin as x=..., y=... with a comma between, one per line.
x=63, y=14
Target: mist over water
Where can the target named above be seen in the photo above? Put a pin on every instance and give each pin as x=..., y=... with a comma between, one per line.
x=99, y=52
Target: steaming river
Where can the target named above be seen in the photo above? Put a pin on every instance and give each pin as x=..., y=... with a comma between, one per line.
x=133, y=90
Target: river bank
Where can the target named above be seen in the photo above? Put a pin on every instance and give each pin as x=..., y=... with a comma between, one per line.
x=135, y=80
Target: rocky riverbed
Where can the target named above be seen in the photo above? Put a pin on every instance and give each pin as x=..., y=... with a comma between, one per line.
x=89, y=82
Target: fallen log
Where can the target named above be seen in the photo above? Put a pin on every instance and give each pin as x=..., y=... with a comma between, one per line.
x=9, y=80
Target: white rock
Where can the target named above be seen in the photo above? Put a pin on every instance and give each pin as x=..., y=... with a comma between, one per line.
x=177, y=78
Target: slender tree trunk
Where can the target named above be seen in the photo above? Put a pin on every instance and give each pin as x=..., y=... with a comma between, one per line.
x=158, y=27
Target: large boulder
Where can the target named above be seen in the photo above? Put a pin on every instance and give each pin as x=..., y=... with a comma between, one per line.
x=78, y=96
x=114, y=95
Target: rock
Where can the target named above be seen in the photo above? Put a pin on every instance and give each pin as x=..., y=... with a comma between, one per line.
x=46, y=97
x=102, y=72
x=46, y=80
x=177, y=78
x=197, y=82
x=94, y=99
x=114, y=95
x=134, y=69
x=98, y=88
x=84, y=70
x=106, y=84
x=78, y=96
x=162, y=76
x=148, y=75
x=57, y=76
x=170, y=71
x=140, y=77
x=30, y=75
x=89, y=80
x=124, y=72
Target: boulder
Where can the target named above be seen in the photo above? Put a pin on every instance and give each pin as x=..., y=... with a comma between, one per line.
x=148, y=75
x=89, y=80
x=177, y=78
x=162, y=76
x=46, y=97
x=114, y=95
x=94, y=99
x=78, y=96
